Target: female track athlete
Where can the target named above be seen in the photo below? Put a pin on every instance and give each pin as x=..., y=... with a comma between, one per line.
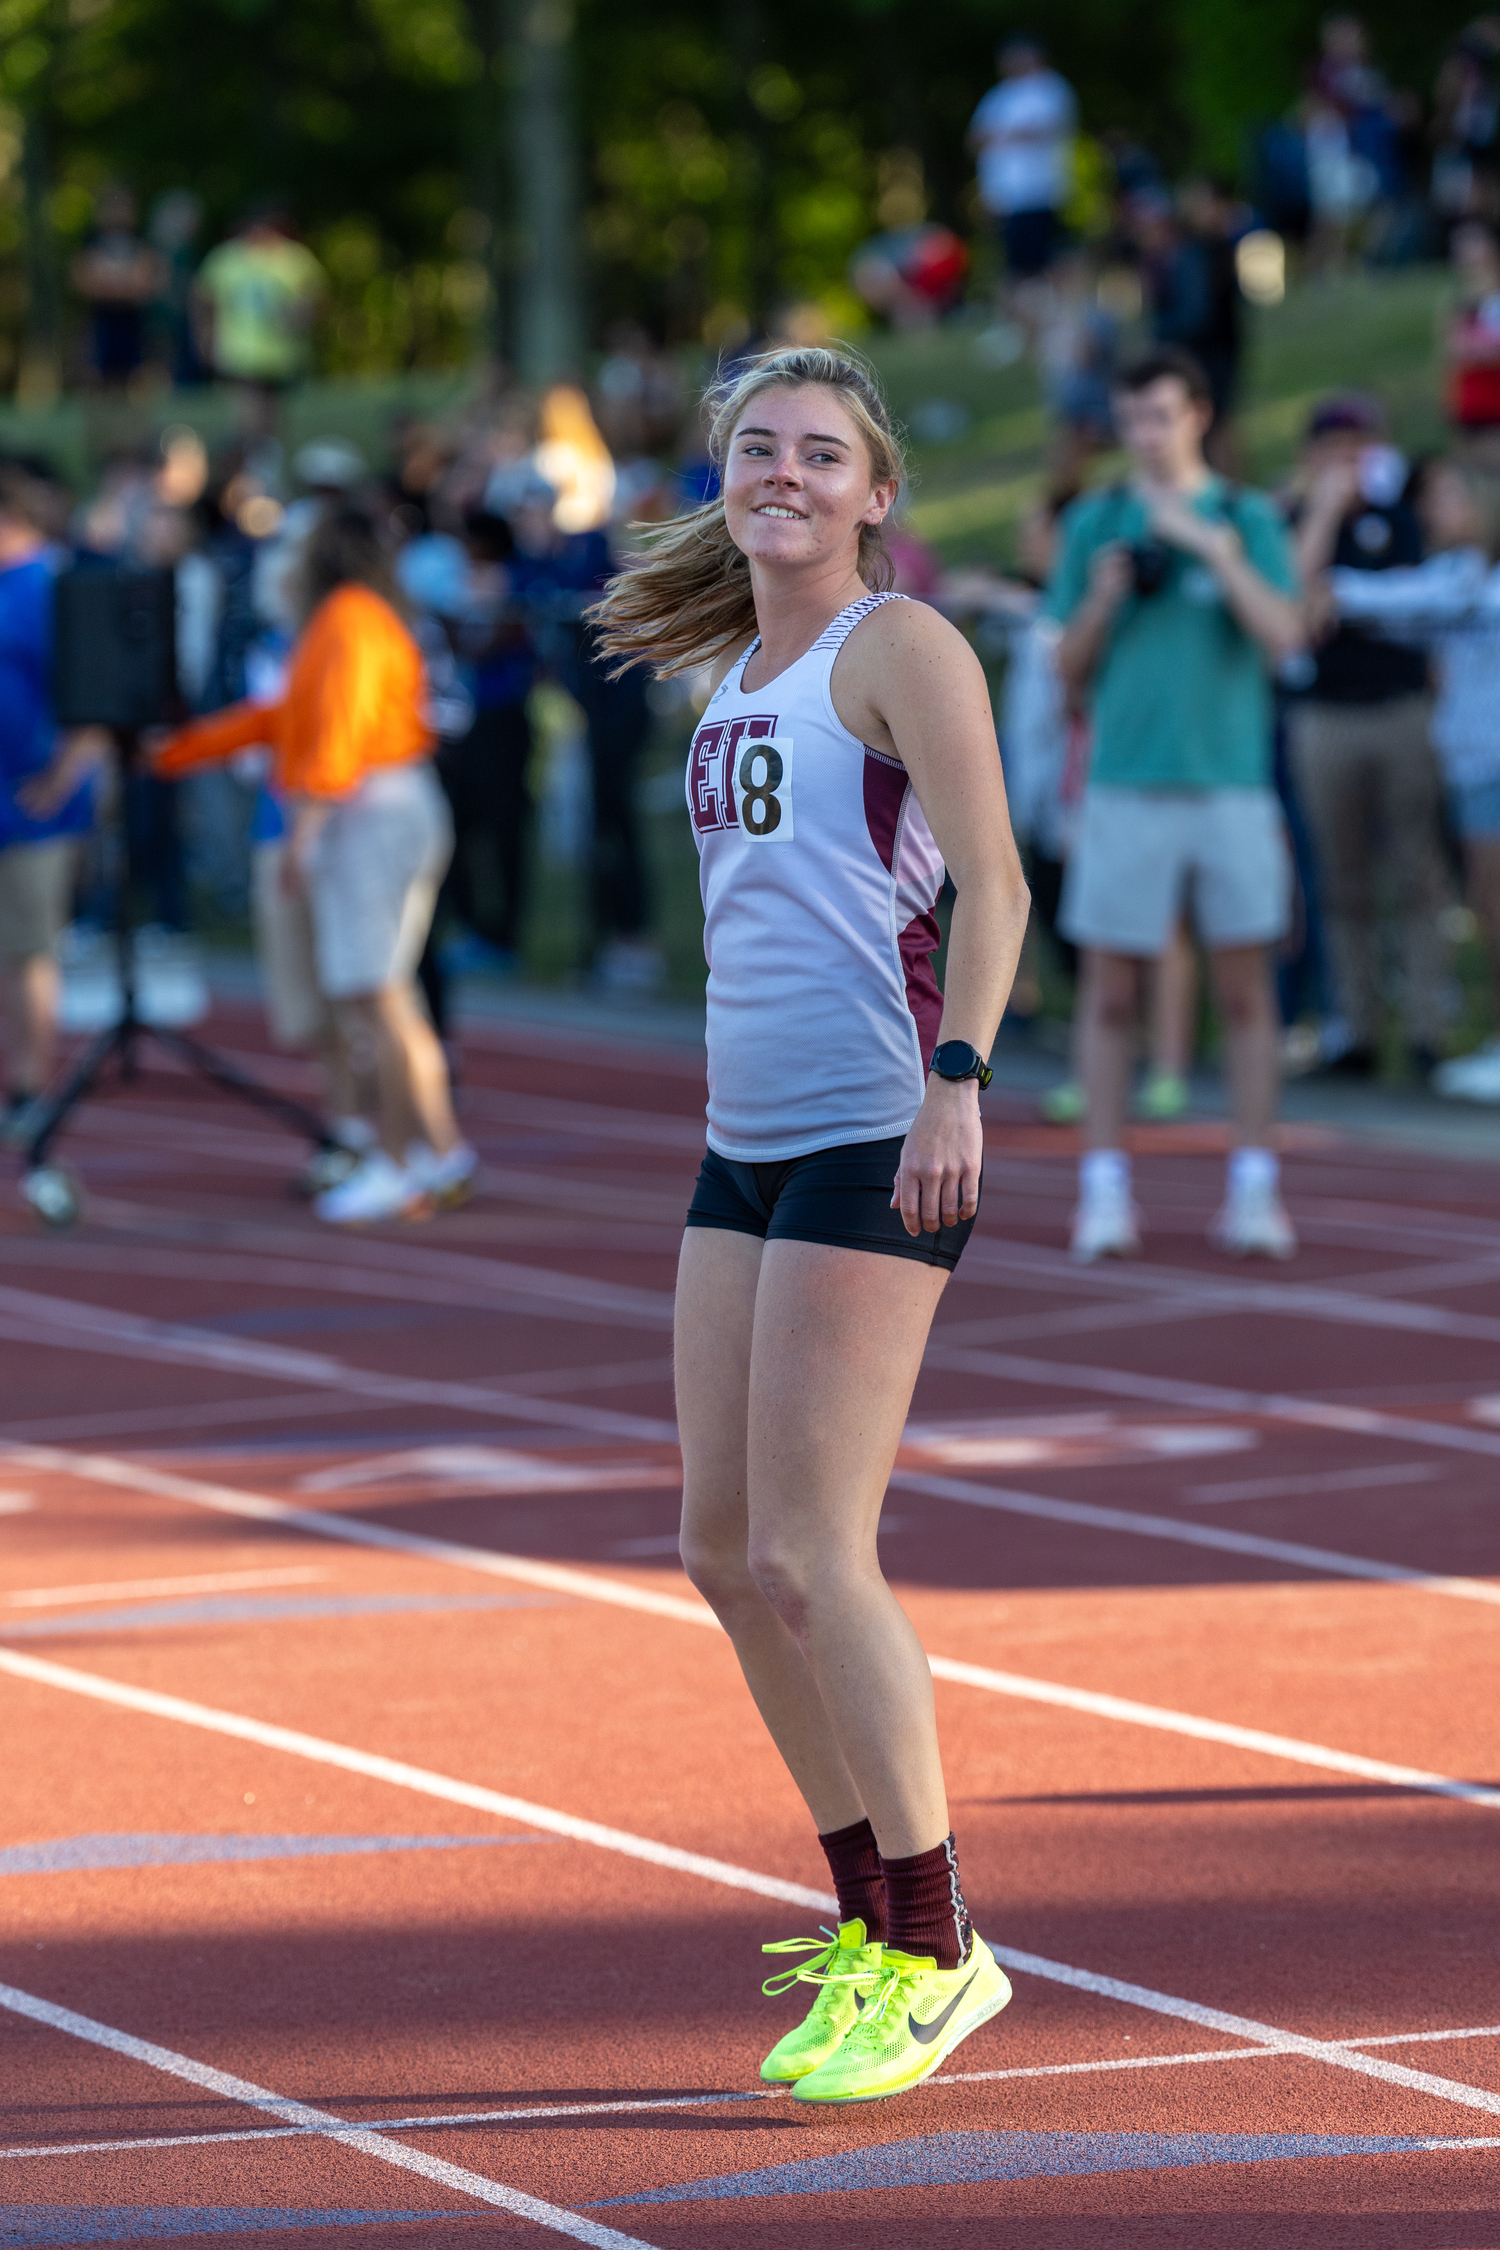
x=846, y=756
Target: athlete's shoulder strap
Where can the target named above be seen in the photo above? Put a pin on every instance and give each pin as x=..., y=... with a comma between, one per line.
x=833, y=636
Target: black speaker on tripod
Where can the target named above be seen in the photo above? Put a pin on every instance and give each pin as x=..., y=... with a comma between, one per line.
x=115, y=666
x=115, y=648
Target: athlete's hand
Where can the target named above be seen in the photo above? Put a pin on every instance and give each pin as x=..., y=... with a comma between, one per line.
x=937, y=1180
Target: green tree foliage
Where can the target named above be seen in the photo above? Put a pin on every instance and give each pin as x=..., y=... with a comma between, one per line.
x=734, y=151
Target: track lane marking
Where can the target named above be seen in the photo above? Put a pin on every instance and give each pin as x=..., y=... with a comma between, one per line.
x=403, y=1776
x=1248, y=2028
x=1152, y=1715
x=74, y=1324
x=137, y=1589
x=152, y=1704
x=1333, y=1480
x=546, y=2112
x=1189, y=1294
x=549, y=2113
x=589, y=1585
x=1324, y=1561
x=319, y=2121
x=70, y=1324
x=355, y=1531
x=1216, y=1398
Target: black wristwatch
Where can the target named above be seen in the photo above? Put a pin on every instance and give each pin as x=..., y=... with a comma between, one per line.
x=956, y=1060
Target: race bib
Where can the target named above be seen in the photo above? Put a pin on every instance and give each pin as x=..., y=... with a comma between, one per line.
x=763, y=789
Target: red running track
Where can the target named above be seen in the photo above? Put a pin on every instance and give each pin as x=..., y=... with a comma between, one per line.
x=388, y=1841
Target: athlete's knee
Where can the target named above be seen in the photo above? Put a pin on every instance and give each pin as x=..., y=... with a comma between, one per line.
x=719, y=1569
x=798, y=1582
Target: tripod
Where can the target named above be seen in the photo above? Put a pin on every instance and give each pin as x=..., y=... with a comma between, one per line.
x=52, y=1192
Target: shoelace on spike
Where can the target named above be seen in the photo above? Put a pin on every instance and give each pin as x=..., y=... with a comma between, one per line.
x=808, y=1972
x=887, y=1984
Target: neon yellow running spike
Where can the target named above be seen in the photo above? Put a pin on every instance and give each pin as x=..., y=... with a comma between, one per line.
x=846, y=1971
x=910, y=2023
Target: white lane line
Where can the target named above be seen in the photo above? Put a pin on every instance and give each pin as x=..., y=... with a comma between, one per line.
x=1246, y=2027
x=1212, y=1730
x=1332, y=1480
x=1216, y=1398
x=711, y=1870
x=1192, y=1295
x=362, y=2138
x=68, y=1324
x=551, y=2113
x=1199, y=2055
x=1124, y=2062
x=260, y=1508
x=1416, y=2038
x=137, y=1589
x=547, y=2112
x=538, y=1291
x=590, y=1586
x=403, y=1776
x=1324, y=1561
x=212, y=1414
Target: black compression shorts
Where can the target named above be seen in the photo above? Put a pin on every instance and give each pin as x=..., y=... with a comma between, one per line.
x=836, y=1195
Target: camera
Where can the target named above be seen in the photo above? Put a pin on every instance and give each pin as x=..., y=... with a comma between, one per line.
x=1150, y=561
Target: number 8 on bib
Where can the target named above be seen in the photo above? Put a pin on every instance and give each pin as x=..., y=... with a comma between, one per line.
x=763, y=786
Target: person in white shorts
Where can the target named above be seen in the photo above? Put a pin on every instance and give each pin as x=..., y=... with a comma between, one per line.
x=1176, y=594
x=368, y=839
x=846, y=754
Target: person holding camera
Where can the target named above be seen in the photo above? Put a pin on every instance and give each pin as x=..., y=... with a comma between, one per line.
x=1177, y=594
x=1361, y=752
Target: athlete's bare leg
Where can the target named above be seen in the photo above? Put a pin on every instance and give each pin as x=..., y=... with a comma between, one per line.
x=796, y=1366
x=717, y=1280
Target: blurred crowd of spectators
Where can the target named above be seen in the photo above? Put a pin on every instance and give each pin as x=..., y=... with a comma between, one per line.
x=464, y=562
x=488, y=530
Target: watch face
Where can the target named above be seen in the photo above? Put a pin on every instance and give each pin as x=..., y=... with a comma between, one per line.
x=954, y=1059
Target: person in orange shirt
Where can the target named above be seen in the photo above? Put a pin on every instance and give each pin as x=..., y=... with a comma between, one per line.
x=369, y=837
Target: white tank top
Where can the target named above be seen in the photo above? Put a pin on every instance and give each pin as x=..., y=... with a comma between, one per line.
x=819, y=875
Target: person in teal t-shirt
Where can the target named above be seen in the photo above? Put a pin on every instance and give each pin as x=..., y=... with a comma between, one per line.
x=1175, y=594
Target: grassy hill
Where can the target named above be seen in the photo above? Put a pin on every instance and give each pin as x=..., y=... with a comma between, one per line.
x=1373, y=332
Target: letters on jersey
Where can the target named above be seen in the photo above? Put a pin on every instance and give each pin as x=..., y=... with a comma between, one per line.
x=738, y=777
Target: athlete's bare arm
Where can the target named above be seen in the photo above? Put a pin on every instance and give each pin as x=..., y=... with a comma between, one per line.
x=908, y=684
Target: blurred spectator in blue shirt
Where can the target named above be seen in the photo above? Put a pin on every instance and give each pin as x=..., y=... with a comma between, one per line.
x=45, y=807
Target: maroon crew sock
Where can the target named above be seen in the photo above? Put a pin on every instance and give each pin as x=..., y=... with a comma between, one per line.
x=925, y=1910
x=854, y=1863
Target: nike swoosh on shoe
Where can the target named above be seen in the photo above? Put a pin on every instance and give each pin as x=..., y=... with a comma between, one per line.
x=925, y=2033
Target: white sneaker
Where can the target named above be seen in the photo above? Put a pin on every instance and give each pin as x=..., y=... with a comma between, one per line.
x=446, y=1180
x=1253, y=1222
x=377, y=1188
x=1106, y=1223
x=1470, y=1078
x=351, y=1138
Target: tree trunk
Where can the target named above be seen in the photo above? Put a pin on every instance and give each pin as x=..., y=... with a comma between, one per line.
x=40, y=374
x=547, y=267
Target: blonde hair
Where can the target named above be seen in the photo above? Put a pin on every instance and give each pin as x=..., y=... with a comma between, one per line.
x=689, y=598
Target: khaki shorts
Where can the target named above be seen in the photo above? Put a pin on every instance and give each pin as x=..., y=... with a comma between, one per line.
x=1142, y=858
x=296, y=1011
x=373, y=881
x=36, y=895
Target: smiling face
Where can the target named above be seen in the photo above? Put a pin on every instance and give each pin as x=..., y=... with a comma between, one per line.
x=797, y=483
